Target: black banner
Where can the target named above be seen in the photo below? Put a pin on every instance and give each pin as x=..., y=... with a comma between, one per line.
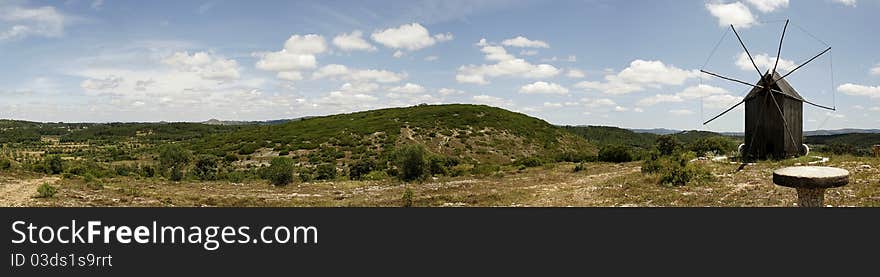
x=412, y=241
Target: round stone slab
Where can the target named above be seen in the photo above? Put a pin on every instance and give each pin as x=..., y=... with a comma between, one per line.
x=811, y=177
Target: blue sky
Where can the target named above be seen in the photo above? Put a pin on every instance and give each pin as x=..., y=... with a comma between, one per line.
x=632, y=64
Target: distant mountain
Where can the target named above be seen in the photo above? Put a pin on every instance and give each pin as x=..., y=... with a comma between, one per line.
x=215, y=121
x=841, y=131
x=656, y=131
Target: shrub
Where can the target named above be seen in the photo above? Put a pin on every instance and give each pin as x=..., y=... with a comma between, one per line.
x=652, y=164
x=230, y=157
x=148, y=171
x=531, y=162
x=325, y=172
x=206, y=168
x=615, y=154
x=485, y=169
x=411, y=162
x=360, y=168
x=437, y=165
x=407, y=198
x=580, y=167
x=306, y=175
x=175, y=158
x=5, y=164
x=45, y=191
x=248, y=149
x=376, y=175
x=666, y=144
x=52, y=164
x=280, y=171
x=716, y=144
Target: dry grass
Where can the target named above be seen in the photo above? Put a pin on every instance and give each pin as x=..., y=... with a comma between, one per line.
x=601, y=184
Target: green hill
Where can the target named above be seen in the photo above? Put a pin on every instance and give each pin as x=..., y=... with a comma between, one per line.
x=469, y=132
x=607, y=135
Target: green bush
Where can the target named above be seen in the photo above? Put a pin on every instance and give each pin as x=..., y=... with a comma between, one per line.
x=437, y=165
x=148, y=171
x=248, y=149
x=407, y=198
x=280, y=171
x=306, y=175
x=580, y=167
x=530, y=162
x=360, y=168
x=325, y=172
x=411, y=162
x=175, y=158
x=5, y=164
x=485, y=169
x=45, y=191
x=667, y=144
x=716, y=145
x=176, y=174
x=615, y=154
x=53, y=164
x=230, y=157
x=206, y=168
x=376, y=175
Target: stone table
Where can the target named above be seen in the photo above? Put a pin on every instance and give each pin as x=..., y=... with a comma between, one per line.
x=811, y=182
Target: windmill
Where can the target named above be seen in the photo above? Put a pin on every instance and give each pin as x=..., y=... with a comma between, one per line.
x=774, y=111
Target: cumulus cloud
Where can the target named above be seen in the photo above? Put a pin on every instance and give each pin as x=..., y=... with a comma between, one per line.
x=506, y=65
x=357, y=75
x=713, y=97
x=408, y=88
x=108, y=83
x=860, y=90
x=431, y=58
x=18, y=22
x=410, y=37
x=491, y=101
x=620, y=109
x=597, y=103
x=449, y=91
x=764, y=62
x=876, y=70
x=850, y=3
x=639, y=75
x=353, y=41
x=359, y=87
x=736, y=14
x=298, y=54
x=521, y=41
x=290, y=75
x=659, y=98
x=205, y=64
x=543, y=88
x=768, y=5
x=574, y=73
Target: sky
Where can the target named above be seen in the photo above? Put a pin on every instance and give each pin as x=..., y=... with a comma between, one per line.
x=633, y=64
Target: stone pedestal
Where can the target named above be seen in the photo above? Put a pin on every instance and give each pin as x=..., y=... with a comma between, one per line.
x=811, y=182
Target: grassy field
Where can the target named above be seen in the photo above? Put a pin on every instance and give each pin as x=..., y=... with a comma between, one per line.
x=598, y=185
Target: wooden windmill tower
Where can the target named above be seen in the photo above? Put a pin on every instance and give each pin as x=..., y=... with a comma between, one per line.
x=774, y=111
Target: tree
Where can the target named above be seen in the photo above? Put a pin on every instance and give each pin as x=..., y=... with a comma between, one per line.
x=666, y=144
x=280, y=171
x=326, y=172
x=53, y=164
x=175, y=158
x=412, y=163
x=615, y=154
x=206, y=167
x=360, y=168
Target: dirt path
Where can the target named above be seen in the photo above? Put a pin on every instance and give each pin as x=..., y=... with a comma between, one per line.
x=577, y=191
x=19, y=193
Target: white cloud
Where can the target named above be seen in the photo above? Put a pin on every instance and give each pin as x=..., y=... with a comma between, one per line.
x=521, y=41
x=876, y=70
x=835, y=115
x=701, y=90
x=620, y=109
x=574, y=73
x=597, y=103
x=659, y=98
x=397, y=54
x=768, y=5
x=357, y=75
x=108, y=83
x=347, y=100
x=410, y=37
x=860, y=90
x=543, y=88
x=570, y=58
x=639, y=75
x=875, y=109
x=17, y=22
x=720, y=101
x=858, y=107
x=764, y=62
x=851, y=3
x=408, y=88
x=681, y=112
x=638, y=110
x=358, y=88
x=491, y=100
x=449, y=91
x=290, y=75
x=507, y=65
x=205, y=64
x=431, y=58
x=528, y=52
x=736, y=14
x=298, y=54
x=353, y=41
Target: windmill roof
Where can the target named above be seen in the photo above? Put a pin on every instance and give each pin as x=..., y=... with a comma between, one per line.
x=782, y=86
